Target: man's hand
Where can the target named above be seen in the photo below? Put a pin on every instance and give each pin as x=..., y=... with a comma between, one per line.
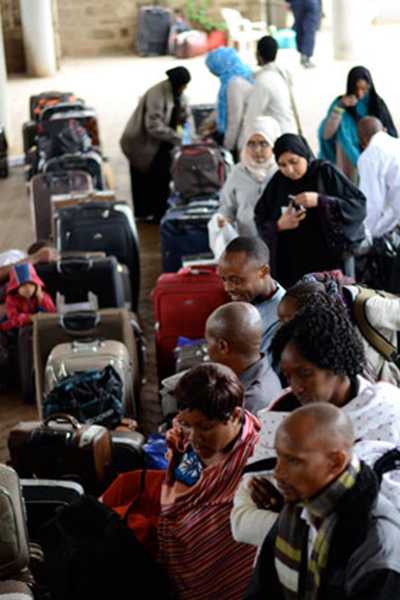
x=265, y=495
x=307, y=199
x=291, y=219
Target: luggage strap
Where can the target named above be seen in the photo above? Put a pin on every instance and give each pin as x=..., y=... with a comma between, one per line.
x=369, y=332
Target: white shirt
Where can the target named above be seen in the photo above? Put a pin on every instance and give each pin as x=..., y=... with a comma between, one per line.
x=379, y=170
x=270, y=97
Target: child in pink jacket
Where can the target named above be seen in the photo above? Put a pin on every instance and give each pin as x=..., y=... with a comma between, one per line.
x=25, y=297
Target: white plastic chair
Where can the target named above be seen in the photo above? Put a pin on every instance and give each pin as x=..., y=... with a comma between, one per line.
x=243, y=33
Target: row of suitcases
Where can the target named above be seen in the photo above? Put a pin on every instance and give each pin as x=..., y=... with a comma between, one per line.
x=62, y=134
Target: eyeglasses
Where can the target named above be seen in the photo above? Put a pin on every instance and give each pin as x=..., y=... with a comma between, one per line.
x=253, y=145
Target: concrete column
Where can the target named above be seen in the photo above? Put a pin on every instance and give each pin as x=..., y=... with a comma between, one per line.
x=351, y=22
x=3, y=81
x=39, y=38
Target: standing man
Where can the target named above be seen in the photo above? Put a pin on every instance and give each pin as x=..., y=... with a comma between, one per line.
x=307, y=17
x=379, y=170
x=336, y=536
x=271, y=95
x=245, y=271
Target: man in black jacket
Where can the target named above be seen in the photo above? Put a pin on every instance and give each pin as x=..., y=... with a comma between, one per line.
x=337, y=537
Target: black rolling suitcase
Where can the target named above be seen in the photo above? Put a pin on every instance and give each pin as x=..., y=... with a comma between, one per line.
x=45, y=185
x=153, y=30
x=106, y=227
x=74, y=277
x=183, y=231
x=43, y=497
x=90, y=162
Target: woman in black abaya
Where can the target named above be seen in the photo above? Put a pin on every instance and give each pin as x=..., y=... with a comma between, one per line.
x=310, y=215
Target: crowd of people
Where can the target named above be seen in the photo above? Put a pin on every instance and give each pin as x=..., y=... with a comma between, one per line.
x=300, y=482
x=275, y=485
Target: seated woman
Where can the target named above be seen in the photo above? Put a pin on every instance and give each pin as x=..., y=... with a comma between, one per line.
x=309, y=215
x=247, y=179
x=210, y=443
x=337, y=134
x=381, y=312
x=322, y=358
x=236, y=84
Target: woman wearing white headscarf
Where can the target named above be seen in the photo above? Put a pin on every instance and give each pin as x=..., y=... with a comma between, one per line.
x=248, y=179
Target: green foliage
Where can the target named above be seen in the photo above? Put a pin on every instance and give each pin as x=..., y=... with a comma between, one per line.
x=197, y=11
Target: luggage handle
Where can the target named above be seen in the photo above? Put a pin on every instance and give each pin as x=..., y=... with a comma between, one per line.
x=195, y=271
x=74, y=264
x=62, y=418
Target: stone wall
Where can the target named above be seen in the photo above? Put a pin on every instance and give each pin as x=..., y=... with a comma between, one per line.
x=97, y=27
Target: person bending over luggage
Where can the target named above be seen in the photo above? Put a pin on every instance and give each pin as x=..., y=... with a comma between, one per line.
x=310, y=215
x=244, y=269
x=148, y=138
x=247, y=179
x=25, y=297
x=233, y=334
x=337, y=536
x=374, y=315
x=338, y=138
x=210, y=442
x=236, y=84
x=322, y=358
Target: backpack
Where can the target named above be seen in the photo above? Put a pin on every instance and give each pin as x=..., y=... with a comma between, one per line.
x=90, y=553
x=375, y=339
x=198, y=170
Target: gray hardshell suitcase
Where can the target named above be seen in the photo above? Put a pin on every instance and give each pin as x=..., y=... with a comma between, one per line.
x=14, y=550
x=80, y=355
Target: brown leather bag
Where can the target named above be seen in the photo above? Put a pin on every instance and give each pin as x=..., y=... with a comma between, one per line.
x=62, y=448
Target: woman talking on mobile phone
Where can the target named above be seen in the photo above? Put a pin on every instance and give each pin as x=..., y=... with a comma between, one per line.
x=338, y=136
x=310, y=215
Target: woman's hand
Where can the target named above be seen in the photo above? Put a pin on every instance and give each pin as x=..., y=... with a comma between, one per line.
x=307, y=199
x=265, y=495
x=348, y=100
x=222, y=221
x=291, y=218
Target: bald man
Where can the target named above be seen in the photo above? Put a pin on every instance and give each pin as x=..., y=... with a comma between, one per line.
x=336, y=536
x=233, y=333
x=379, y=170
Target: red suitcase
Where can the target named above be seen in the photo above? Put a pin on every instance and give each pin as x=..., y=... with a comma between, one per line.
x=191, y=43
x=182, y=303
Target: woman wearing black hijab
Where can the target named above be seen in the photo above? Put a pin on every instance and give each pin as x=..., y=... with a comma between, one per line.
x=309, y=215
x=148, y=139
x=338, y=137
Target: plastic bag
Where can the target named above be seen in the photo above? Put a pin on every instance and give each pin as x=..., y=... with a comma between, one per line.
x=220, y=237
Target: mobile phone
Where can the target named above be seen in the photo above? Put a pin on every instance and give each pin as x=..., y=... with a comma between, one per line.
x=293, y=203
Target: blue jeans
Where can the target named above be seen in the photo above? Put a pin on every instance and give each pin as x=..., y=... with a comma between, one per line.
x=307, y=14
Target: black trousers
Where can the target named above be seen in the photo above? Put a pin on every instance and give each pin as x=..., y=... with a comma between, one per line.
x=151, y=190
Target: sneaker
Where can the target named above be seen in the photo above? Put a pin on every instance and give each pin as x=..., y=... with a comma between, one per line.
x=303, y=59
x=308, y=64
